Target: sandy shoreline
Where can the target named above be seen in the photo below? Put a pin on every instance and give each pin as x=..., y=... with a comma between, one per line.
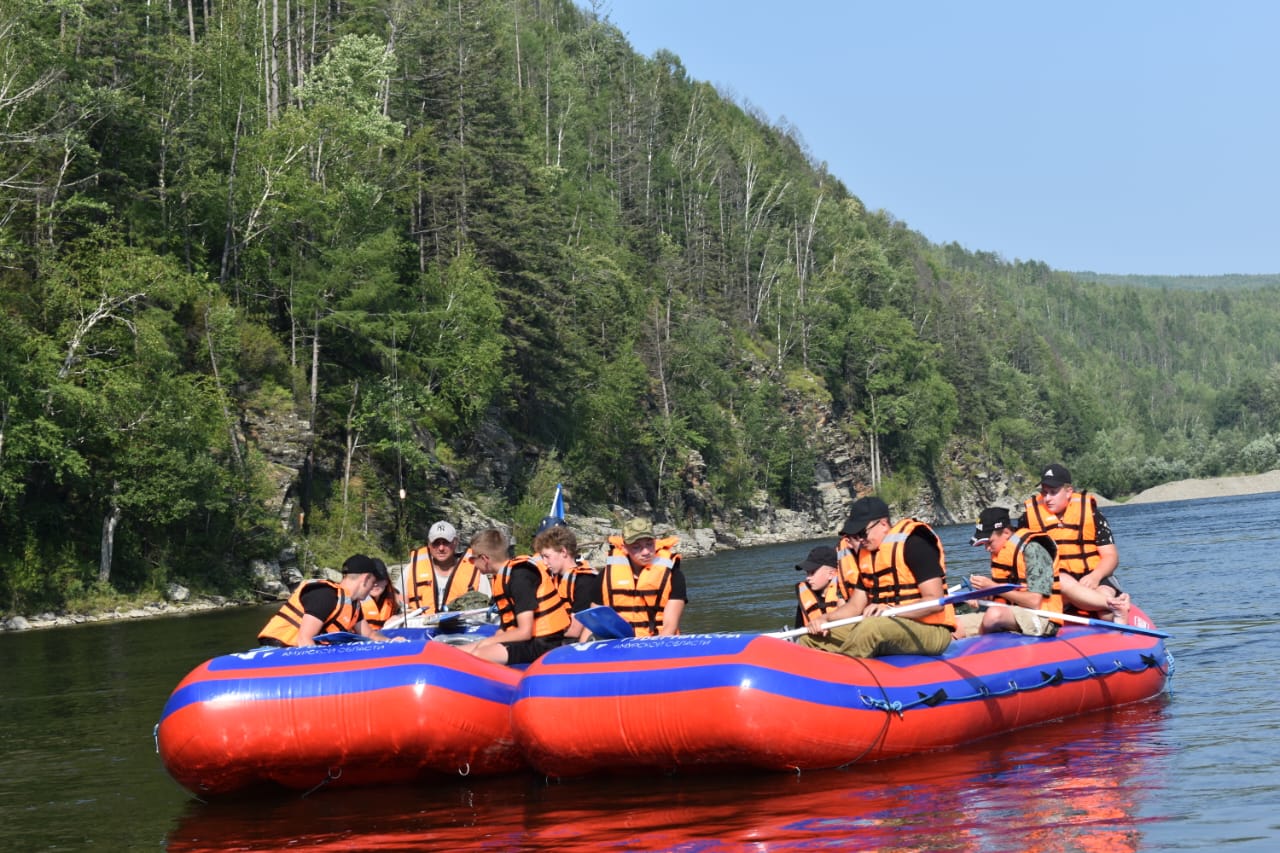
x=1213, y=487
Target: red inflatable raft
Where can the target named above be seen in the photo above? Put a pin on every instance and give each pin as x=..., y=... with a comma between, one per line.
x=354, y=714
x=721, y=701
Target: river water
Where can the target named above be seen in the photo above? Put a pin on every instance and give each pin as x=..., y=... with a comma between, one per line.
x=1198, y=769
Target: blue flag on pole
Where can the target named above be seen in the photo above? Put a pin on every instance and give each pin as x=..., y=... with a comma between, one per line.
x=557, y=504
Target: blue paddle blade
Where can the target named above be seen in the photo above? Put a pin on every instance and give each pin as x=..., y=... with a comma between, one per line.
x=338, y=638
x=604, y=623
x=1120, y=626
x=969, y=593
x=450, y=623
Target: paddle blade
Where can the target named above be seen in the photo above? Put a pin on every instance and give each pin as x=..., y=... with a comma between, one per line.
x=970, y=594
x=604, y=623
x=338, y=638
x=1134, y=629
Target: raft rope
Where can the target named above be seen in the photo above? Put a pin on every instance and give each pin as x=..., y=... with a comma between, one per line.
x=882, y=704
x=1093, y=669
x=330, y=776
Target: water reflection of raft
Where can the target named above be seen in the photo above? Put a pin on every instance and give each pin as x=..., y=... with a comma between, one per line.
x=721, y=701
x=362, y=713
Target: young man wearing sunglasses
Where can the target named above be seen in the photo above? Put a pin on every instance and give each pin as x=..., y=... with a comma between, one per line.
x=897, y=564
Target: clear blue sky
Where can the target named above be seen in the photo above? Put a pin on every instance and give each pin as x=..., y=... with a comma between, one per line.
x=1116, y=137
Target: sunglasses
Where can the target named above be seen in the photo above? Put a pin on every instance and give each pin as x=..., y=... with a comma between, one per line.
x=861, y=535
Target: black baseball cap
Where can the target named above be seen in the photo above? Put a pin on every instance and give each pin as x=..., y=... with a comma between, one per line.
x=359, y=564
x=1055, y=476
x=823, y=555
x=990, y=520
x=864, y=511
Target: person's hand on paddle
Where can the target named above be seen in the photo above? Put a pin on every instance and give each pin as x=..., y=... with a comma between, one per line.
x=815, y=622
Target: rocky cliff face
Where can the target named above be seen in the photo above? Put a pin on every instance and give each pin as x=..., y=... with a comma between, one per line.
x=284, y=440
x=961, y=487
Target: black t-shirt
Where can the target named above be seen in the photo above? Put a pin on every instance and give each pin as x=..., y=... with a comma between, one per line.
x=522, y=587
x=923, y=557
x=319, y=601
x=587, y=592
x=679, y=592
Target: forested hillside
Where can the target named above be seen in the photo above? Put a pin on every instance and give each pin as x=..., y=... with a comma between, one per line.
x=478, y=247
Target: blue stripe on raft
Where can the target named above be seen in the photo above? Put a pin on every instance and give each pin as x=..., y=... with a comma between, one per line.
x=271, y=657
x=686, y=646
x=630, y=650
x=744, y=675
x=268, y=657
x=314, y=685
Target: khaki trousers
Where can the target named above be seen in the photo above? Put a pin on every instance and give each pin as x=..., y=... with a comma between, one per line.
x=882, y=635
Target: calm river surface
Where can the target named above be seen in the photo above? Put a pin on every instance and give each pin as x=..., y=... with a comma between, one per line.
x=1197, y=770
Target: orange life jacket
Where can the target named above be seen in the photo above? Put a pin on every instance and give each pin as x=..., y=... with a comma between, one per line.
x=810, y=602
x=1074, y=531
x=420, y=581
x=641, y=598
x=1010, y=565
x=283, y=627
x=550, y=615
x=847, y=563
x=568, y=584
x=376, y=611
x=886, y=578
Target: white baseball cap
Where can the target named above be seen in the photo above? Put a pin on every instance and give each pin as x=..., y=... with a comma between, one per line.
x=442, y=530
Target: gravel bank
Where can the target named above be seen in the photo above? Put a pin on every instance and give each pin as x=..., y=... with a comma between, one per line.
x=1214, y=487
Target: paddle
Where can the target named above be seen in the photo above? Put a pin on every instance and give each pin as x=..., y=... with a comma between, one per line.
x=434, y=618
x=953, y=598
x=337, y=638
x=1083, y=620
x=454, y=614
x=605, y=623
x=401, y=619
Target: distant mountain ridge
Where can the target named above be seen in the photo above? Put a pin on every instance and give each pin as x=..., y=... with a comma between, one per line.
x=1234, y=281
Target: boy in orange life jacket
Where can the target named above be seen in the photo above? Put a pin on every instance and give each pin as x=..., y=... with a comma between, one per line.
x=898, y=564
x=1087, y=554
x=818, y=594
x=532, y=613
x=324, y=607
x=642, y=580
x=1021, y=558
x=579, y=584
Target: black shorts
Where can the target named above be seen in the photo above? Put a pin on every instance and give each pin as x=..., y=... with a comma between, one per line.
x=527, y=651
